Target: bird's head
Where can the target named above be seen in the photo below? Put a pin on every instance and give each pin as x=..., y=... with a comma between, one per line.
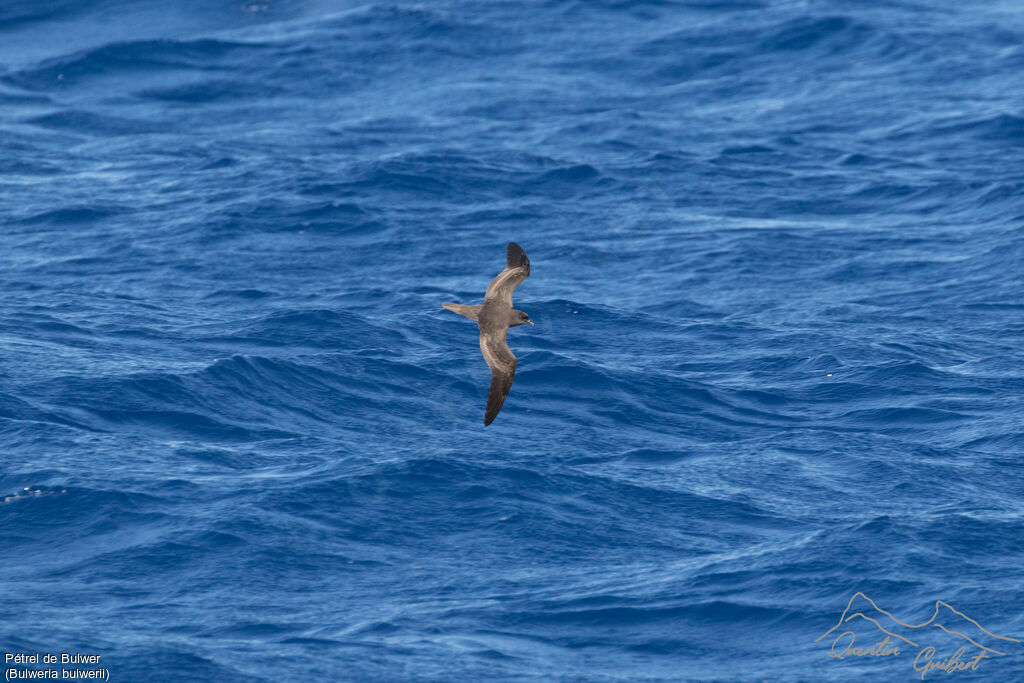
x=520, y=318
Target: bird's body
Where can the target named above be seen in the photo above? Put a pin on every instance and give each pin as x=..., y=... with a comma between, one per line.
x=494, y=316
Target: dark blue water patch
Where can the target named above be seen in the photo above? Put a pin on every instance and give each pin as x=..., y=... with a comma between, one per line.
x=653, y=456
x=337, y=216
x=162, y=403
x=244, y=294
x=400, y=495
x=802, y=34
x=334, y=210
x=75, y=215
x=145, y=57
x=425, y=32
x=20, y=11
x=903, y=374
x=317, y=328
x=223, y=162
x=50, y=512
x=93, y=124
x=901, y=418
x=19, y=410
x=183, y=423
x=1005, y=128
x=999, y=131
x=998, y=443
x=174, y=659
x=960, y=533
x=207, y=91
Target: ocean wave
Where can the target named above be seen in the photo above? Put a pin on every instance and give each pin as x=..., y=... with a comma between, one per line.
x=145, y=57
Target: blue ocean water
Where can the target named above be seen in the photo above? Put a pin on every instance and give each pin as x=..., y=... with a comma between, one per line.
x=777, y=253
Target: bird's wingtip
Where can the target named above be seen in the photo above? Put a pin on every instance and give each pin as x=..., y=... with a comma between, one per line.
x=516, y=256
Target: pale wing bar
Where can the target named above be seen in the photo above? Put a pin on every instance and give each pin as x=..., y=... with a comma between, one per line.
x=501, y=382
x=502, y=362
x=516, y=270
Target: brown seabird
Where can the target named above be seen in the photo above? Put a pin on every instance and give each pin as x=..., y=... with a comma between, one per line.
x=494, y=317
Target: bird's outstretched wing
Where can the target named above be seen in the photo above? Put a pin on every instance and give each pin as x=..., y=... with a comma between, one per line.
x=502, y=362
x=517, y=270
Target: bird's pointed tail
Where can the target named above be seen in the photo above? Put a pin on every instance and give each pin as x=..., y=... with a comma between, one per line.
x=471, y=312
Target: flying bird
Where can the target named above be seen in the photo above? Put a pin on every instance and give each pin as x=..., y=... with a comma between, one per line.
x=494, y=316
